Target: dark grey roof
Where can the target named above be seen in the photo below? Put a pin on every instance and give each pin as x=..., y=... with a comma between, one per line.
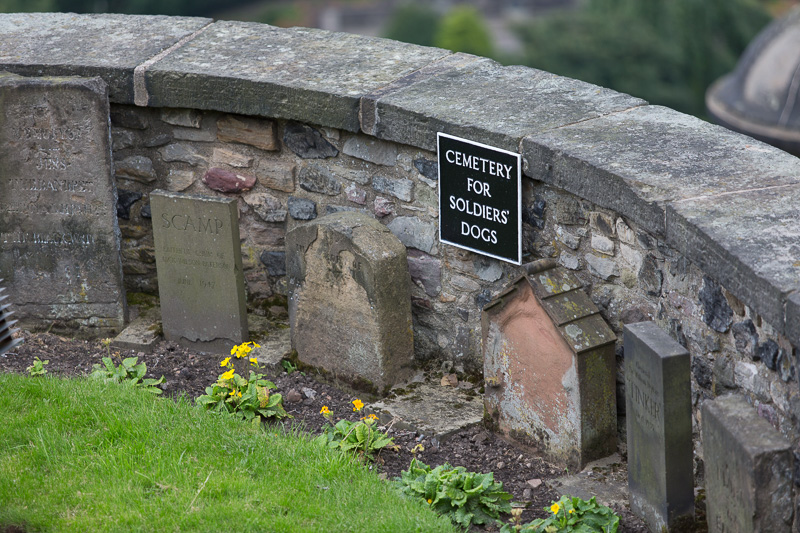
x=761, y=97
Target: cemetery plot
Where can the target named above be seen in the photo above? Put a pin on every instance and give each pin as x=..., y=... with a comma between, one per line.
x=200, y=277
x=59, y=240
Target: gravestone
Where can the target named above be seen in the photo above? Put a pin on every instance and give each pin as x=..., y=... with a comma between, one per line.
x=748, y=470
x=658, y=400
x=350, y=300
x=59, y=240
x=7, y=340
x=200, y=277
x=550, y=368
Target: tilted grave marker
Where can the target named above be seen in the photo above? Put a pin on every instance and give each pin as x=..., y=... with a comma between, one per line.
x=200, y=277
x=748, y=470
x=550, y=369
x=658, y=400
x=59, y=240
x=350, y=300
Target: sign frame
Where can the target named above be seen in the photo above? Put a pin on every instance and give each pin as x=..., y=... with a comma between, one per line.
x=453, y=171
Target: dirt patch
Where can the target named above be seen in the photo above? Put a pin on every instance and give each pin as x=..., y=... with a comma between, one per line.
x=189, y=372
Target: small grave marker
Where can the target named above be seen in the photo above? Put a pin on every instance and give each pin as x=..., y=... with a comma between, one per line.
x=748, y=470
x=550, y=369
x=200, y=277
x=480, y=200
x=658, y=399
x=59, y=240
x=350, y=300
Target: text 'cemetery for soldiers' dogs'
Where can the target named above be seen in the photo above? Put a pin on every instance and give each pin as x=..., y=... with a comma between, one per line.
x=613, y=284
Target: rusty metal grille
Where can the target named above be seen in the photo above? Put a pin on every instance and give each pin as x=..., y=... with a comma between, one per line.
x=7, y=341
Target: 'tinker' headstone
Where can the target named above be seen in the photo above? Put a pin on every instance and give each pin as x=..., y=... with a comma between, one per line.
x=59, y=240
x=200, y=278
x=748, y=468
x=350, y=300
x=658, y=399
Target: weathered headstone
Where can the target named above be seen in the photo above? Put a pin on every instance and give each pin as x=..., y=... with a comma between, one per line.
x=658, y=400
x=748, y=470
x=200, y=277
x=550, y=368
x=350, y=300
x=7, y=340
x=59, y=240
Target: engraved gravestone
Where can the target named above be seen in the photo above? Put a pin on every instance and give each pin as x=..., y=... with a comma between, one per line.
x=59, y=240
x=748, y=470
x=658, y=400
x=200, y=277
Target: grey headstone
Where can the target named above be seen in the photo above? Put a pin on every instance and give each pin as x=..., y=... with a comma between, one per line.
x=658, y=400
x=59, y=240
x=200, y=277
x=350, y=300
x=748, y=469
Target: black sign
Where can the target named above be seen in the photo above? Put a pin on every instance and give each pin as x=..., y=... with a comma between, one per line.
x=479, y=198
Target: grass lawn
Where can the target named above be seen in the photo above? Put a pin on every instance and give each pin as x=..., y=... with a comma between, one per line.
x=82, y=455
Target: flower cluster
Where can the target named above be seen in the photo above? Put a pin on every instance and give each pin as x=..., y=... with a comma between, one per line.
x=243, y=349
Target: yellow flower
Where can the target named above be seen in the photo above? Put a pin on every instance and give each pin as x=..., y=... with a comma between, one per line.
x=325, y=410
x=256, y=345
x=430, y=501
x=228, y=374
x=225, y=361
x=232, y=393
x=555, y=508
x=239, y=394
x=571, y=511
x=358, y=405
x=234, y=350
x=254, y=361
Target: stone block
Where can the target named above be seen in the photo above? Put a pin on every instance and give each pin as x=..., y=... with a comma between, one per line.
x=141, y=335
x=59, y=239
x=748, y=469
x=186, y=118
x=136, y=168
x=372, y=150
x=301, y=208
x=103, y=45
x=299, y=74
x=316, y=178
x=244, y=130
x=658, y=407
x=276, y=175
x=746, y=241
x=479, y=94
x=402, y=189
x=414, y=233
x=231, y=158
x=550, y=367
x=200, y=276
x=350, y=301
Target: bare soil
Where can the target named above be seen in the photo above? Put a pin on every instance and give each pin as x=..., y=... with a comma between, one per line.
x=189, y=372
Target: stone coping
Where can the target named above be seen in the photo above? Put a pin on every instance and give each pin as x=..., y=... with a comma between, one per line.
x=726, y=201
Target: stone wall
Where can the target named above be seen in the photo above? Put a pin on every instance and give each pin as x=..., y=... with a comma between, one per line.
x=663, y=216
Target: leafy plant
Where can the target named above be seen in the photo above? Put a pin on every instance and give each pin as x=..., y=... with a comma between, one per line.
x=466, y=497
x=37, y=368
x=288, y=367
x=249, y=398
x=361, y=437
x=571, y=514
x=127, y=372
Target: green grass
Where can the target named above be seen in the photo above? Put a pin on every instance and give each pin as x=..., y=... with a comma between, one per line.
x=82, y=455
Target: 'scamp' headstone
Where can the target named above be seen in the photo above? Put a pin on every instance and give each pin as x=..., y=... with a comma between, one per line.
x=550, y=368
x=200, y=277
x=7, y=340
x=350, y=300
x=658, y=399
x=59, y=240
x=748, y=470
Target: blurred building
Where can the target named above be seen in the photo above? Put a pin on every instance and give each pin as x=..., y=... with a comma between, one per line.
x=761, y=97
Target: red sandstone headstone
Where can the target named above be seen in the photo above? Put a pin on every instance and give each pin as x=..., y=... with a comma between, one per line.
x=550, y=367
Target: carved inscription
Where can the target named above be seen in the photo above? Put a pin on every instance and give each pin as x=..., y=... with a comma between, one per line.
x=729, y=514
x=647, y=407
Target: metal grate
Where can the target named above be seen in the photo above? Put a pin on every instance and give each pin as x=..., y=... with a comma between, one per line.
x=7, y=341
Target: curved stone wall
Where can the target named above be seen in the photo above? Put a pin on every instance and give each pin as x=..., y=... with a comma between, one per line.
x=662, y=215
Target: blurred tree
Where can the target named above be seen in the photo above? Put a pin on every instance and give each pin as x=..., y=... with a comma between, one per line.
x=413, y=23
x=463, y=30
x=665, y=51
x=24, y=6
